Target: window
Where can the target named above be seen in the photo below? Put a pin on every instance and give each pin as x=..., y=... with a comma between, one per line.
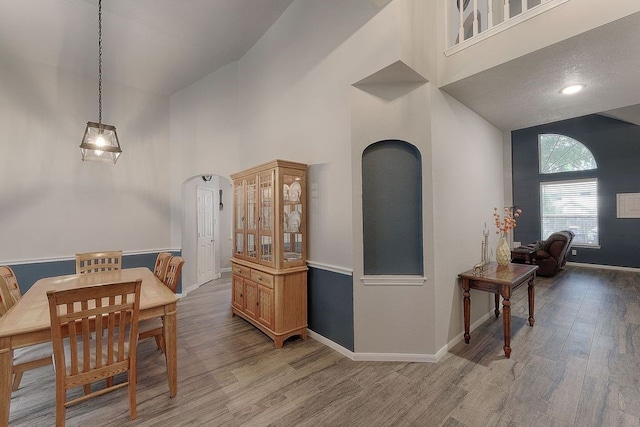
x=571, y=205
x=560, y=153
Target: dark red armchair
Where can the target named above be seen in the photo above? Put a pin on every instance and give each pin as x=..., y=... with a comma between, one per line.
x=553, y=254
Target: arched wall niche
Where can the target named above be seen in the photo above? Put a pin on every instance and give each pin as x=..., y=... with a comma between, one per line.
x=392, y=209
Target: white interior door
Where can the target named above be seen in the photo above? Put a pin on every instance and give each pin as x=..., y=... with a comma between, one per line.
x=206, y=251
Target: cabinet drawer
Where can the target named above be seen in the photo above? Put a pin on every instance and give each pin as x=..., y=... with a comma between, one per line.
x=262, y=278
x=242, y=271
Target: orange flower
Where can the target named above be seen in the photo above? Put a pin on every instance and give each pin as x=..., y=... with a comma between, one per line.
x=506, y=223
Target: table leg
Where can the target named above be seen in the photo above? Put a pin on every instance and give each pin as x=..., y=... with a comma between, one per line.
x=497, y=311
x=171, y=347
x=532, y=292
x=6, y=365
x=506, y=320
x=467, y=309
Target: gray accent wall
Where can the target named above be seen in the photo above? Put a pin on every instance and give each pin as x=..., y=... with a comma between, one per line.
x=616, y=147
x=28, y=274
x=330, y=306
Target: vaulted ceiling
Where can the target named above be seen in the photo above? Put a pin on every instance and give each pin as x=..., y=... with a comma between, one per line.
x=156, y=45
x=163, y=46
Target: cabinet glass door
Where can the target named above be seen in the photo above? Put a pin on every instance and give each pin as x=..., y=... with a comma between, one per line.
x=238, y=241
x=292, y=238
x=265, y=222
x=251, y=220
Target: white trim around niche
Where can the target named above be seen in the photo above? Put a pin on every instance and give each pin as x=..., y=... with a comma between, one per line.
x=392, y=280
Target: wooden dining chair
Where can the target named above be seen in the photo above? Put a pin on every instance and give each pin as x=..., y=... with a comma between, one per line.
x=174, y=269
x=111, y=311
x=162, y=262
x=4, y=297
x=154, y=327
x=24, y=358
x=94, y=262
x=12, y=288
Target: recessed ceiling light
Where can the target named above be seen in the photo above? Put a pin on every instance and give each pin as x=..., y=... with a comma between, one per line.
x=570, y=90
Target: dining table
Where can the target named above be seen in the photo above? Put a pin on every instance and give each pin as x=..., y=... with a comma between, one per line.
x=28, y=321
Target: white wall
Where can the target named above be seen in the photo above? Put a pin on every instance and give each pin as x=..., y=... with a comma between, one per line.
x=53, y=204
x=393, y=319
x=204, y=136
x=294, y=103
x=467, y=185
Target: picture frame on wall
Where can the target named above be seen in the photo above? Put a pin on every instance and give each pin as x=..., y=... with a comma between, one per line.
x=628, y=205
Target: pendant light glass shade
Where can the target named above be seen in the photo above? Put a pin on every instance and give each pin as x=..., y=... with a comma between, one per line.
x=100, y=143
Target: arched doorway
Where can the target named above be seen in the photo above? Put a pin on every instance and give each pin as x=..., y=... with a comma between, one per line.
x=206, y=229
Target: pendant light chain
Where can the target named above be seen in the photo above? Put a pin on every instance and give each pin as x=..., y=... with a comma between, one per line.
x=100, y=62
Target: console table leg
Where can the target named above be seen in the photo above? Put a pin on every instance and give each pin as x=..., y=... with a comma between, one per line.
x=467, y=309
x=531, y=300
x=497, y=310
x=506, y=323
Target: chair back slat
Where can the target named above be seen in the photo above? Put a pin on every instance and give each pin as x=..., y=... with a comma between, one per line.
x=95, y=262
x=4, y=296
x=162, y=262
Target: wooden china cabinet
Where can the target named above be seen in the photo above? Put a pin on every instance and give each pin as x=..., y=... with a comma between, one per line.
x=269, y=249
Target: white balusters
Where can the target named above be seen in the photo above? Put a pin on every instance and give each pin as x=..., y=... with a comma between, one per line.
x=489, y=14
x=476, y=30
x=461, y=14
x=497, y=20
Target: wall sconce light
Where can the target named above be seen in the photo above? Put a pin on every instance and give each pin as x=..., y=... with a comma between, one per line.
x=207, y=178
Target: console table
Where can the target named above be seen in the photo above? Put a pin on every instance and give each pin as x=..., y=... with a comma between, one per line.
x=499, y=281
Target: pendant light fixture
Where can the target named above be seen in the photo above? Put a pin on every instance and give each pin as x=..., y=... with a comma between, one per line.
x=100, y=142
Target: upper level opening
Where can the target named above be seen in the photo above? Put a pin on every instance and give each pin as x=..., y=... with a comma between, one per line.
x=469, y=21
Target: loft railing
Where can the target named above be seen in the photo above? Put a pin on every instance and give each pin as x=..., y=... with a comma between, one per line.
x=469, y=21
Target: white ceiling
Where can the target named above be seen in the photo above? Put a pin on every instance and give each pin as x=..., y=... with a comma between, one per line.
x=525, y=92
x=163, y=46
x=156, y=45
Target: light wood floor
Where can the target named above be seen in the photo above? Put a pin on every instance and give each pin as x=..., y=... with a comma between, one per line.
x=579, y=366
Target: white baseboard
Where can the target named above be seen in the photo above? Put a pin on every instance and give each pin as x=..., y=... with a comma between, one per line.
x=604, y=267
x=395, y=357
x=188, y=289
x=333, y=345
x=374, y=357
x=460, y=336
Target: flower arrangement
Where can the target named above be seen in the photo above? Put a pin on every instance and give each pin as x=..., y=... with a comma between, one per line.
x=506, y=223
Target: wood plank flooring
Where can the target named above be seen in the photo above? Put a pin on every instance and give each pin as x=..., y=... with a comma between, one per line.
x=579, y=366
